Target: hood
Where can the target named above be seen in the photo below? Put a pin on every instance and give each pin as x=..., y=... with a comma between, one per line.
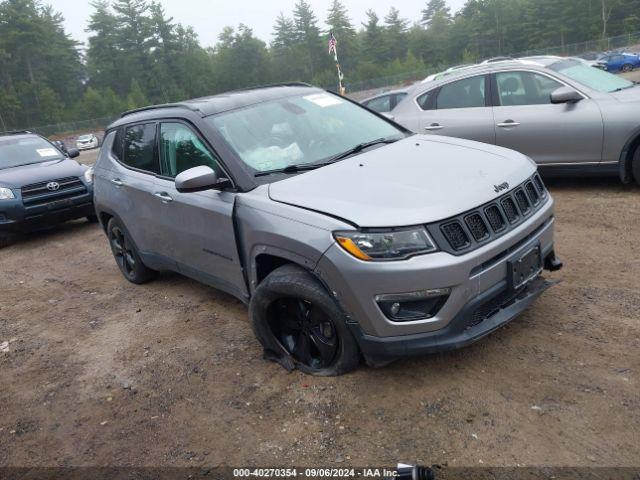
x=416, y=180
x=20, y=176
x=628, y=94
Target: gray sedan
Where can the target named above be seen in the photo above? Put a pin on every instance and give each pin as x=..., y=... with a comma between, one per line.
x=565, y=115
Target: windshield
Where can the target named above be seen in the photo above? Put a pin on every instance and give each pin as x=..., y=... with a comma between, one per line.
x=24, y=150
x=85, y=137
x=299, y=130
x=591, y=77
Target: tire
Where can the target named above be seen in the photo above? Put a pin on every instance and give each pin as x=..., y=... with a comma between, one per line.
x=627, y=67
x=635, y=165
x=300, y=325
x=6, y=239
x=126, y=254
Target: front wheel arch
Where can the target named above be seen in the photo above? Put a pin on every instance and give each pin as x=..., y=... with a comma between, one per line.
x=626, y=158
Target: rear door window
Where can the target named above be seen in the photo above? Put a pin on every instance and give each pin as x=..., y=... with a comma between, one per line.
x=465, y=93
x=140, y=148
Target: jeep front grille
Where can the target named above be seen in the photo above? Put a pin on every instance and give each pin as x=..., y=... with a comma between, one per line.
x=523, y=201
x=496, y=220
x=455, y=235
x=540, y=185
x=532, y=192
x=477, y=227
x=510, y=209
x=469, y=230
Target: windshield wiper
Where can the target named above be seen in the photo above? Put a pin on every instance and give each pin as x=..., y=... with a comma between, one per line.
x=619, y=89
x=291, y=169
x=312, y=166
x=358, y=148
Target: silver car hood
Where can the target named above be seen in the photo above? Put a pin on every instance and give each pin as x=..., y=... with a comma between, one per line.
x=628, y=94
x=416, y=180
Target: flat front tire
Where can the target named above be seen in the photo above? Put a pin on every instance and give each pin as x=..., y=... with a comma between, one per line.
x=298, y=322
x=126, y=254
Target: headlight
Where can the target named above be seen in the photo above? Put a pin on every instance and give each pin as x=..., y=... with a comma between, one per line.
x=6, y=194
x=88, y=175
x=386, y=245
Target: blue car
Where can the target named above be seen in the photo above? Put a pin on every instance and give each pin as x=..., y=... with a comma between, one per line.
x=620, y=62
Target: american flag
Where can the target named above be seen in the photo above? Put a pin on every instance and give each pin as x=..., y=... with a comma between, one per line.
x=332, y=43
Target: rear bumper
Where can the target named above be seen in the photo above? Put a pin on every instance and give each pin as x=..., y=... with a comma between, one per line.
x=15, y=218
x=466, y=328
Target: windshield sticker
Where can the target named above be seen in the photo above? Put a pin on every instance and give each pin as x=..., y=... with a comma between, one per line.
x=323, y=100
x=47, y=152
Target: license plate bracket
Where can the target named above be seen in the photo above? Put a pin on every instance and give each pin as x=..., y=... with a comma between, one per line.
x=524, y=268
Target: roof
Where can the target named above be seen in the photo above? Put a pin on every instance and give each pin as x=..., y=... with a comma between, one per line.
x=15, y=132
x=222, y=102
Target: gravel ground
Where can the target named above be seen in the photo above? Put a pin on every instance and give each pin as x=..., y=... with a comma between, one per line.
x=100, y=372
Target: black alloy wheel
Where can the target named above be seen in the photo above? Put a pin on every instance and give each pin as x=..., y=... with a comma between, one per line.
x=122, y=251
x=304, y=331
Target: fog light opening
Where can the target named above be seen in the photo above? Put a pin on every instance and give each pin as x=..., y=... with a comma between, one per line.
x=413, y=306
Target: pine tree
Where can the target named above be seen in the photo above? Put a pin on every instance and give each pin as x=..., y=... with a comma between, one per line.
x=435, y=8
x=283, y=50
x=373, y=48
x=395, y=36
x=308, y=41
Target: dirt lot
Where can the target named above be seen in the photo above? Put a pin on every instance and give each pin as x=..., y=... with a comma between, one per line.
x=101, y=372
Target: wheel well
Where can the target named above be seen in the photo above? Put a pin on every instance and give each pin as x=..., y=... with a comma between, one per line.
x=633, y=146
x=104, y=220
x=265, y=264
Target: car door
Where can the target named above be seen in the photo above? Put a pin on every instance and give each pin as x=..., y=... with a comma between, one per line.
x=528, y=122
x=196, y=229
x=129, y=183
x=458, y=109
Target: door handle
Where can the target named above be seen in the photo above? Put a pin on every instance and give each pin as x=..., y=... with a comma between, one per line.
x=165, y=197
x=508, y=123
x=434, y=126
x=117, y=182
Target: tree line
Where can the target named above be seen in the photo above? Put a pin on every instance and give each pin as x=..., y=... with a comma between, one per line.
x=137, y=55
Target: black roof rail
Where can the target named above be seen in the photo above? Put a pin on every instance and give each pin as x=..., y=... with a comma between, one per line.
x=14, y=132
x=190, y=106
x=270, y=85
x=163, y=105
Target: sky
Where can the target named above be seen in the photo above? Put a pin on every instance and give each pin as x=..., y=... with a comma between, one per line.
x=209, y=17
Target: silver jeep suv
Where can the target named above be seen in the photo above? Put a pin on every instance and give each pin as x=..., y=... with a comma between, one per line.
x=346, y=235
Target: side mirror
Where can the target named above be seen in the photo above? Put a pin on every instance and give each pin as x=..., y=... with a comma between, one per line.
x=197, y=179
x=565, y=95
x=389, y=115
x=73, y=153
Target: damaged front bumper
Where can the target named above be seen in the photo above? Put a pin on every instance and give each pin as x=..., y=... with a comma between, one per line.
x=486, y=313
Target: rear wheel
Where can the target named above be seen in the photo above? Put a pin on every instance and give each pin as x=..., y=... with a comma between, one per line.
x=126, y=254
x=295, y=319
x=6, y=239
x=635, y=165
x=627, y=67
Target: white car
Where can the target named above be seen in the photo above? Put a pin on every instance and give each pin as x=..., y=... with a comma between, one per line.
x=87, y=142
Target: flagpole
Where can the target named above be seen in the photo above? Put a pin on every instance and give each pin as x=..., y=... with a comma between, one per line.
x=333, y=48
